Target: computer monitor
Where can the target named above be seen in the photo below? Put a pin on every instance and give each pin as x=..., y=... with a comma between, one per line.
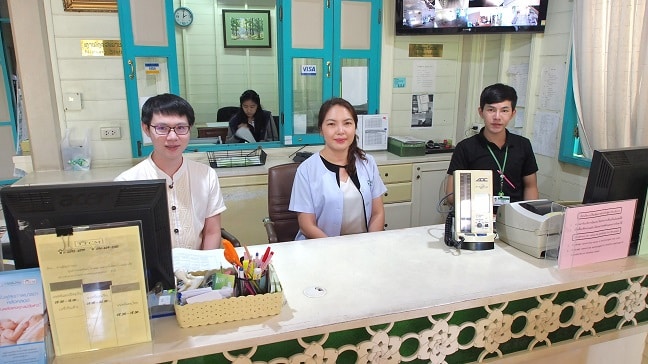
x=29, y=208
x=620, y=174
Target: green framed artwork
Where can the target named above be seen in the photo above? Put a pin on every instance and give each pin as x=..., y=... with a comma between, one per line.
x=246, y=28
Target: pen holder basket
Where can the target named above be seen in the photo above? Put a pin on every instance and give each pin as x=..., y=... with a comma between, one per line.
x=234, y=308
x=247, y=286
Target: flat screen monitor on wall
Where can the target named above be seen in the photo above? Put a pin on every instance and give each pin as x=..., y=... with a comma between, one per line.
x=619, y=174
x=30, y=208
x=425, y=17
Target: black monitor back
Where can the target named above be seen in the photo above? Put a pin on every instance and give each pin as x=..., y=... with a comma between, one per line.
x=29, y=208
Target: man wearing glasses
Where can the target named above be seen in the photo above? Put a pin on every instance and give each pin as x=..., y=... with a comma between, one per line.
x=194, y=195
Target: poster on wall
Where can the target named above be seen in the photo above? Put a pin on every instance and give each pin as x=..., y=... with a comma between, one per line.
x=422, y=110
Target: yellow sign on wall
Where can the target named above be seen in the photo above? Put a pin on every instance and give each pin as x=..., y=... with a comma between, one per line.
x=100, y=48
x=426, y=50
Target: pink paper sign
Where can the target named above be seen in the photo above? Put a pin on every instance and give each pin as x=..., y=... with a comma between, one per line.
x=596, y=232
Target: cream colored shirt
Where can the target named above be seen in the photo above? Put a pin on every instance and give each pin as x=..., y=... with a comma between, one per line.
x=193, y=194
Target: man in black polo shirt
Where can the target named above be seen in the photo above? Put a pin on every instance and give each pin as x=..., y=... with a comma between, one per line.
x=509, y=156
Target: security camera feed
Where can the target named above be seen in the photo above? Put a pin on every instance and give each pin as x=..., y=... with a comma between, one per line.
x=470, y=13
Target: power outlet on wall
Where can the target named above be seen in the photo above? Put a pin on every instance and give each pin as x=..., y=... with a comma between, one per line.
x=112, y=132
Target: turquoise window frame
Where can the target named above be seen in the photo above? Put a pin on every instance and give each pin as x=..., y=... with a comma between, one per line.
x=5, y=65
x=131, y=51
x=570, y=143
x=331, y=51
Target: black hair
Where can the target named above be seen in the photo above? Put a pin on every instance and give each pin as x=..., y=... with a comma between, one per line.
x=260, y=118
x=354, y=150
x=497, y=93
x=254, y=97
x=167, y=104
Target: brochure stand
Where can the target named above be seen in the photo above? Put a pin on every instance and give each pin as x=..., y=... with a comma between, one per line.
x=95, y=290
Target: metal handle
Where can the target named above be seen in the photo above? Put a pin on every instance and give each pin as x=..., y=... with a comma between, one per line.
x=328, y=69
x=132, y=72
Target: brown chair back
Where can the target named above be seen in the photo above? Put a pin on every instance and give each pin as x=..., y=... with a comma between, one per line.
x=280, y=182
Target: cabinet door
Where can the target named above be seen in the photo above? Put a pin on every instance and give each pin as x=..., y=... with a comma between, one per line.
x=428, y=188
x=397, y=215
x=246, y=198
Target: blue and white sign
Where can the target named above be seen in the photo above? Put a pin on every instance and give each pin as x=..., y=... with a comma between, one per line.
x=308, y=70
x=152, y=68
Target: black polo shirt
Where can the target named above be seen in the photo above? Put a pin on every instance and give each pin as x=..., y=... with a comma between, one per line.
x=472, y=153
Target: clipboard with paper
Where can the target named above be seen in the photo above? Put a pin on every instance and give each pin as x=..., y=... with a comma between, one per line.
x=94, y=284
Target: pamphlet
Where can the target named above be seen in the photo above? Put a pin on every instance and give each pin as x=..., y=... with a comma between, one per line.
x=22, y=317
x=596, y=233
x=93, y=279
x=192, y=260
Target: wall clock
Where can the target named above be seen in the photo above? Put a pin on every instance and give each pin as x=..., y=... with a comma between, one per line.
x=183, y=16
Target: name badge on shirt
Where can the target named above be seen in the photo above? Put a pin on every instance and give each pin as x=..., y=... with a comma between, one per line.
x=501, y=200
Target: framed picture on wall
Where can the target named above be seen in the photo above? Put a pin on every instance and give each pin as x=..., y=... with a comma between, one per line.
x=246, y=28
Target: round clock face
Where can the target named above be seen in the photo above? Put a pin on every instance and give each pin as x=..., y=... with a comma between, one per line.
x=183, y=16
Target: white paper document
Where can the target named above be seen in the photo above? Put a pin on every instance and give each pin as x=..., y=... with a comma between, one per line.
x=193, y=260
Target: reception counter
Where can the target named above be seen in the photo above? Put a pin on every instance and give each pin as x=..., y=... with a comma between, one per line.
x=403, y=296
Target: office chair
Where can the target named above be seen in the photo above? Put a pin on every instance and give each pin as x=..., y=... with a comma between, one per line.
x=227, y=235
x=224, y=114
x=281, y=223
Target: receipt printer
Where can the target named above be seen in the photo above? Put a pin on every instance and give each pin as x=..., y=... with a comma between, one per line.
x=531, y=226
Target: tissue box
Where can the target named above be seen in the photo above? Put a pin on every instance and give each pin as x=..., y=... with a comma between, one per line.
x=232, y=309
x=405, y=146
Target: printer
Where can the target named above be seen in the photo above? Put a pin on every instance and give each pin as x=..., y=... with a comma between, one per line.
x=533, y=227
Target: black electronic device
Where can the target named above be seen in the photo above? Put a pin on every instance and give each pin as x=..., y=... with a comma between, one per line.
x=29, y=208
x=432, y=147
x=430, y=144
x=301, y=156
x=425, y=17
x=619, y=174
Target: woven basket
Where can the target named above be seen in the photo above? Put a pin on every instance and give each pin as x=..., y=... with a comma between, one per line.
x=231, y=309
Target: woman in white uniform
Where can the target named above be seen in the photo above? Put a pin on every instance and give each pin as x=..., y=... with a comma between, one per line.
x=338, y=191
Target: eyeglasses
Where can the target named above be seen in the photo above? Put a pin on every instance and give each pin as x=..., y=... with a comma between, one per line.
x=165, y=130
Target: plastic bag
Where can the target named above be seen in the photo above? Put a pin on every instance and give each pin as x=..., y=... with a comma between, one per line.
x=76, y=156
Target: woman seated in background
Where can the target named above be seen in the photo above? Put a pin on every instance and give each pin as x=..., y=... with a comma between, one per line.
x=258, y=123
x=338, y=191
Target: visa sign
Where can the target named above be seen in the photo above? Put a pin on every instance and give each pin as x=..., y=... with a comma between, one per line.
x=308, y=70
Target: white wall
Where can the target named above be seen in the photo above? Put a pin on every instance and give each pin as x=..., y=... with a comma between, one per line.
x=557, y=181
x=100, y=80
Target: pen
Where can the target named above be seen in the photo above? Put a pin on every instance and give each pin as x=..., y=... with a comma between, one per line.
x=265, y=255
x=264, y=265
x=506, y=179
x=247, y=252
